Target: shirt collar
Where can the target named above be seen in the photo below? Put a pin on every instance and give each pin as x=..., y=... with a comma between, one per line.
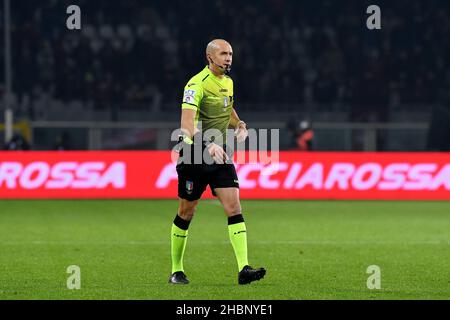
x=211, y=73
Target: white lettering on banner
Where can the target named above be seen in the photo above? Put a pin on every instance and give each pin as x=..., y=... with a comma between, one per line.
x=420, y=176
x=442, y=178
x=313, y=176
x=373, y=170
x=9, y=172
x=267, y=172
x=34, y=175
x=244, y=172
x=292, y=175
x=394, y=176
x=115, y=175
x=62, y=175
x=341, y=175
x=168, y=173
x=88, y=175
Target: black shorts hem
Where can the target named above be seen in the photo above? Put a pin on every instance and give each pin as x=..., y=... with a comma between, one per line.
x=225, y=186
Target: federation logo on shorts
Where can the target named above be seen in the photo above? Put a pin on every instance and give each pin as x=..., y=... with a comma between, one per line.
x=189, y=187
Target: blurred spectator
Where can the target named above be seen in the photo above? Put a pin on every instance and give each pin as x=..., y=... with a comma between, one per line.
x=302, y=135
x=17, y=143
x=63, y=142
x=305, y=136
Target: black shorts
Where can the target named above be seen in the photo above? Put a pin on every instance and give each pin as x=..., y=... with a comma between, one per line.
x=194, y=178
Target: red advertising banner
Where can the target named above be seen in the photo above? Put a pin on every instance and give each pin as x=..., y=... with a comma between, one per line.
x=294, y=175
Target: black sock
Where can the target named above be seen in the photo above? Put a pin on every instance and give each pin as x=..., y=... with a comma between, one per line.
x=181, y=223
x=235, y=219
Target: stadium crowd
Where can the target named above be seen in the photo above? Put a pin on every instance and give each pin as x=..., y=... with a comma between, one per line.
x=139, y=54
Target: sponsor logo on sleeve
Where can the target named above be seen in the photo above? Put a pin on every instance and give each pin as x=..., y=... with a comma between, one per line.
x=189, y=96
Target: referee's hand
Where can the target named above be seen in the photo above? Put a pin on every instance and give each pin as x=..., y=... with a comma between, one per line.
x=217, y=153
x=241, y=132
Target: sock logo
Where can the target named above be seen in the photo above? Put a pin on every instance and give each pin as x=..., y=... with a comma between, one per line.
x=242, y=231
x=179, y=236
x=189, y=187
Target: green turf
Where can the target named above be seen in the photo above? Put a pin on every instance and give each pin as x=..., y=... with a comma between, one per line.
x=311, y=250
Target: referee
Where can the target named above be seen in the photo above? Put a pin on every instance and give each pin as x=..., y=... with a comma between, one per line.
x=208, y=105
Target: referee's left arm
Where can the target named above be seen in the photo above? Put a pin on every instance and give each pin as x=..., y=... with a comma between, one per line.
x=235, y=121
x=240, y=126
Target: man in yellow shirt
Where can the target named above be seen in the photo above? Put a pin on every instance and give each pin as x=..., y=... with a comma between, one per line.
x=208, y=106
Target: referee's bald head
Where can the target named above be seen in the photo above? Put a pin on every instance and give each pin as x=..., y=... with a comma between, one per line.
x=217, y=44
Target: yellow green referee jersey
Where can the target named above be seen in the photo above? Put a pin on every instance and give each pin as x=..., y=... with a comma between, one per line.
x=212, y=98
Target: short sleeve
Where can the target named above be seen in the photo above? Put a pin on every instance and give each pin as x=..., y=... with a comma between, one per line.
x=192, y=96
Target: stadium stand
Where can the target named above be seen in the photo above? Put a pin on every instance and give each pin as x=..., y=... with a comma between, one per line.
x=288, y=54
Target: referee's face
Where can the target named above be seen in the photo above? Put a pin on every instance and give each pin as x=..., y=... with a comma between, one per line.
x=223, y=55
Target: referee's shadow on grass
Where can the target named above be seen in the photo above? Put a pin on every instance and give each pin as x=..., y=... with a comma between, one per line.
x=195, y=284
x=231, y=285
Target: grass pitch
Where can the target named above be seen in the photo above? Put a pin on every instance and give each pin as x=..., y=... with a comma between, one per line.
x=311, y=250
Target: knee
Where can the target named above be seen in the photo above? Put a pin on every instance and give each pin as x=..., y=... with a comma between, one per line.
x=233, y=209
x=187, y=210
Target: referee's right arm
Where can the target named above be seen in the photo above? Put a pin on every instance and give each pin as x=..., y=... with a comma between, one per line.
x=192, y=97
x=188, y=122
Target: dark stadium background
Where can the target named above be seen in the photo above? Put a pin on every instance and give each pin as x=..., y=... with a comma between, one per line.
x=294, y=60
